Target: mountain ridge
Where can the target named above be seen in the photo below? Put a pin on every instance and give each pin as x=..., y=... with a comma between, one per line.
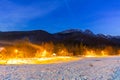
x=71, y=36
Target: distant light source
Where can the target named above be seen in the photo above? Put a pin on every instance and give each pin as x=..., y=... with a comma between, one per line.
x=54, y=54
x=16, y=51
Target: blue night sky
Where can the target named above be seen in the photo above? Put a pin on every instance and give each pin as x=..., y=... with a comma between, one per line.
x=100, y=16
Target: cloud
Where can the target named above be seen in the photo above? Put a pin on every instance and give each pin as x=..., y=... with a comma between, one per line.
x=13, y=15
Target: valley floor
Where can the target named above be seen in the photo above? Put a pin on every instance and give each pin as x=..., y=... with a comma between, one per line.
x=85, y=69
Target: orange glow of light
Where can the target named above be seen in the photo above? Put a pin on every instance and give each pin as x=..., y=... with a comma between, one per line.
x=44, y=53
x=104, y=53
x=42, y=56
x=54, y=54
x=47, y=60
x=13, y=61
x=16, y=51
x=90, y=56
x=90, y=53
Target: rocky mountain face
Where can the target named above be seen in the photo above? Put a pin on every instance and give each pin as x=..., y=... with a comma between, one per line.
x=72, y=36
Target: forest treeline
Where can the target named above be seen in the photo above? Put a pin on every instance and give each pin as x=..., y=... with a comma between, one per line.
x=26, y=49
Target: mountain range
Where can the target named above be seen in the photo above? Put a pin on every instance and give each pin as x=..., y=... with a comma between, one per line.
x=72, y=36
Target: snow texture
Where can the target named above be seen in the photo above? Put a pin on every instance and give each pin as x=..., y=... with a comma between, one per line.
x=85, y=69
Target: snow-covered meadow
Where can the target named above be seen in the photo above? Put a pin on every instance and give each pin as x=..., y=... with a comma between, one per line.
x=83, y=69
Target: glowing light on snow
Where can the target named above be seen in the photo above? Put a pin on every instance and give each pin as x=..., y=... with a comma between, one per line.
x=47, y=60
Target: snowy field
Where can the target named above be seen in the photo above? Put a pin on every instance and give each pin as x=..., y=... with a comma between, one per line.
x=85, y=69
